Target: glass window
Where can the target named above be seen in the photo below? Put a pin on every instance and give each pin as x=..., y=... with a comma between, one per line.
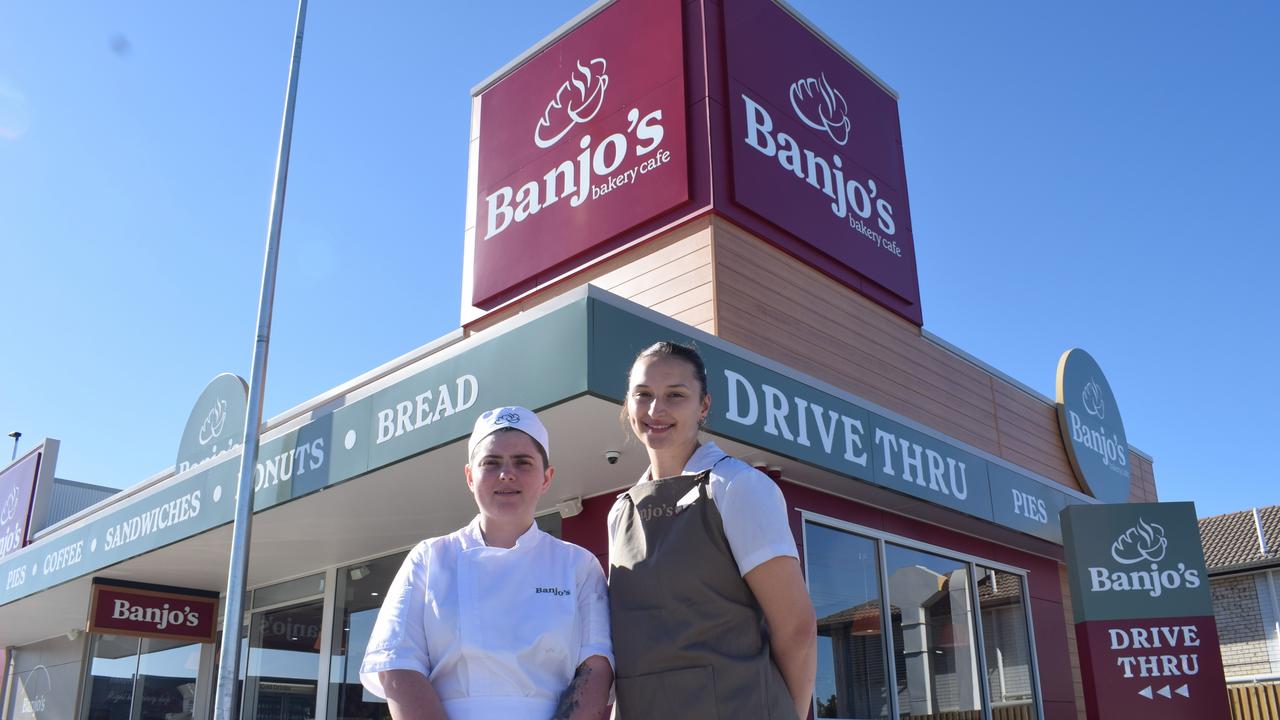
x=303, y=587
x=109, y=686
x=167, y=672
x=844, y=583
x=1268, y=583
x=936, y=660
x=1005, y=642
x=361, y=588
x=282, y=669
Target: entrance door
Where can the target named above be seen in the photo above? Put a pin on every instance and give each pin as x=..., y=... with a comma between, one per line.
x=282, y=668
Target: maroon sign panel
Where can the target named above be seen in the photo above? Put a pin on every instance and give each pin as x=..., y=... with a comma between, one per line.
x=580, y=143
x=173, y=613
x=816, y=146
x=1169, y=667
x=17, y=488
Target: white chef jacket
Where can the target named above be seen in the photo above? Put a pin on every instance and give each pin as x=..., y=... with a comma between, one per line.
x=498, y=631
x=751, y=507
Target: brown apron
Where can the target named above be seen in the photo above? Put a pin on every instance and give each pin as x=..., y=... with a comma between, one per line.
x=689, y=638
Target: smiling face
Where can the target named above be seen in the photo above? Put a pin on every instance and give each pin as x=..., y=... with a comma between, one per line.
x=665, y=408
x=507, y=477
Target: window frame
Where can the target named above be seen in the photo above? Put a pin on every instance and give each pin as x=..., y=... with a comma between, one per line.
x=881, y=538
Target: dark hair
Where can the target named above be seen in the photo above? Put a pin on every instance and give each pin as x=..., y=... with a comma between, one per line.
x=542, y=452
x=688, y=353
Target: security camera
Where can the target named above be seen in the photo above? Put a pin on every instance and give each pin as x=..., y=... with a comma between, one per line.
x=611, y=456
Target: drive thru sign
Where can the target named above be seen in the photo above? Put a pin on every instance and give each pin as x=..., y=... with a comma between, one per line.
x=1144, y=617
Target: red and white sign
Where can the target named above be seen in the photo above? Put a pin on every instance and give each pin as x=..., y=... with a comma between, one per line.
x=817, y=147
x=17, y=495
x=172, y=613
x=582, y=142
x=1167, y=667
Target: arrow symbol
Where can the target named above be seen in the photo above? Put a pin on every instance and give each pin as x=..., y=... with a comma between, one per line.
x=1164, y=691
x=1145, y=692
x=1183, y=691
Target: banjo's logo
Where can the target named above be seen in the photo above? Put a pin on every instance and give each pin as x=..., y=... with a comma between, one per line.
x=821, y=107
x=10, y=507
x=213, y=422
x=577, y=101
x=35, y=689
x=1144, y=541
x=1091, y=399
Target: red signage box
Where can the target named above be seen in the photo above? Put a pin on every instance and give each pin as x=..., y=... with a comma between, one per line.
x=646, y=114
x=816, y=148
x=25, y=486
x=1169, y=667
x=153, y=611
x=582, y=142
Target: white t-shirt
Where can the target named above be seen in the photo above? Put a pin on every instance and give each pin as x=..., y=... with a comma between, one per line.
x=498, y=631
x=751, y=507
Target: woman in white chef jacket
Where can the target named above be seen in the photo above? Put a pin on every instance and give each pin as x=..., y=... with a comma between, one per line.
x=498, y=619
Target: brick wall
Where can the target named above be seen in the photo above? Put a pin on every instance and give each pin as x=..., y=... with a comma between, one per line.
x=1239, y=618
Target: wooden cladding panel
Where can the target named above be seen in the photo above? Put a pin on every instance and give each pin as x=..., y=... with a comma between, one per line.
x=652, y=275
x=670, y=274
x=751, y=267
x=781, y=308
x=1029, y=427
x=1143, y=483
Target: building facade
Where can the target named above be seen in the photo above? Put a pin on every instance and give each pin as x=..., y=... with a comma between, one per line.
x=922, y=485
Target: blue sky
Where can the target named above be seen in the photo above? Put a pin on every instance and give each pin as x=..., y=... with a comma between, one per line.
x=1088, y=174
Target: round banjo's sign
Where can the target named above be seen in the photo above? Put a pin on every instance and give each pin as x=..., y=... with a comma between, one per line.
x=1092, y=431
x=216, y=423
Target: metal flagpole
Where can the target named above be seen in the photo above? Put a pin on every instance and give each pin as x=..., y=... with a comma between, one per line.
x=228, y=669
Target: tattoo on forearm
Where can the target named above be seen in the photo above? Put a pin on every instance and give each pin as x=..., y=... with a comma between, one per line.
x=569, y=699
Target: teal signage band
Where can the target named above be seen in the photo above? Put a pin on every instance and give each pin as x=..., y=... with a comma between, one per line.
x=760, y=406
x=582, y=346
x=1092, y=431
x=536, y=363
x=1135, y=560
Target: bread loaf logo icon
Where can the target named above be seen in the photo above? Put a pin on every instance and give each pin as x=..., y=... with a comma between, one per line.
x=1144, y=541
x=577, y=101
x=821, y=107
x=213, y=423
x=10, y=508
x=1091, y=398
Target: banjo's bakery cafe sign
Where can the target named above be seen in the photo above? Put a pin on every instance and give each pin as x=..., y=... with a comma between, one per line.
x=817, y=147
x=1144, y=617
x=155, y=611
x=583, y=141
x=647, y=114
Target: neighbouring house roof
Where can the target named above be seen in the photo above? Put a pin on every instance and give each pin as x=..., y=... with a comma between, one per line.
x=1231, y=541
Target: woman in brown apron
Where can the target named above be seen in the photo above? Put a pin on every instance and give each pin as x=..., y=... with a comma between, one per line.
x=710, y=614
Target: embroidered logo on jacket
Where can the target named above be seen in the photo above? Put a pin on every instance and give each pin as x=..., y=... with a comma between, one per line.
x=558, y=592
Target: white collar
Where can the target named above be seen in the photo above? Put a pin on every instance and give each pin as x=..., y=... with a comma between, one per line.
x=473, y=537
x=707, y=455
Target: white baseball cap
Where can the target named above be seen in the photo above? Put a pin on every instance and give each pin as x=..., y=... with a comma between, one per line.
x=512, y=416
